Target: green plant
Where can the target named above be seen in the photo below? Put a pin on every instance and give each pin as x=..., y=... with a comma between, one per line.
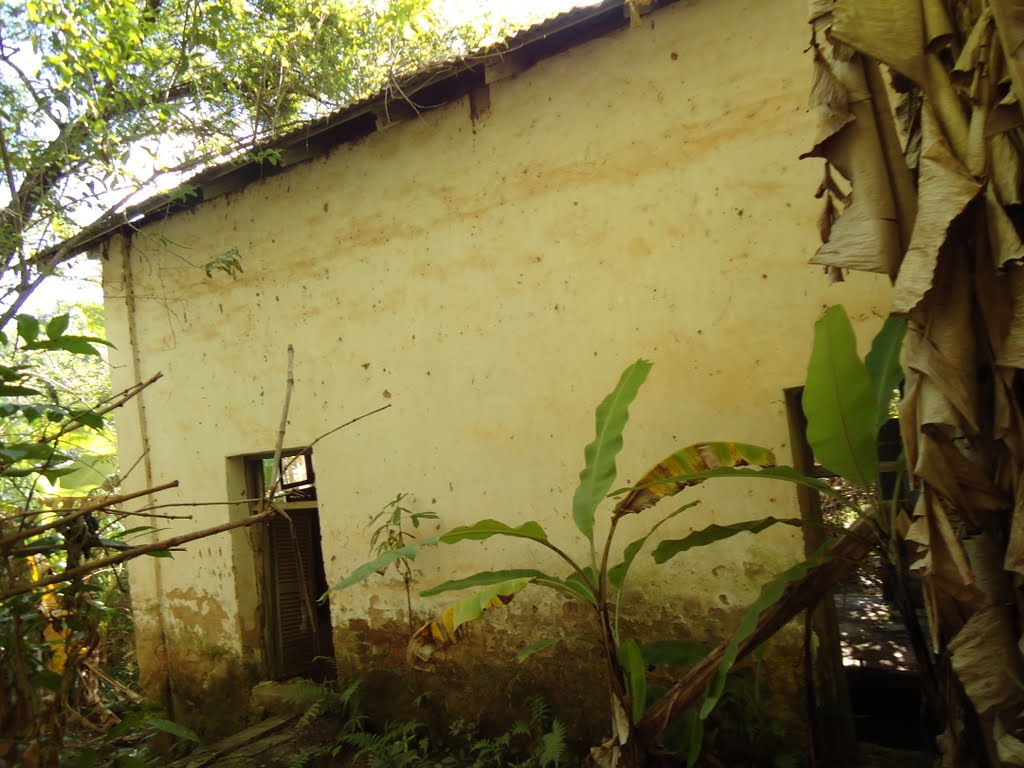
x=535, y=741
x=847, y=400
x=127, y=744
x=397, y=746
x=391, y=534
x=595, y=581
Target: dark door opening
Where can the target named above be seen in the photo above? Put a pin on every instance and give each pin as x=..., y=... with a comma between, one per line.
x=297, y=626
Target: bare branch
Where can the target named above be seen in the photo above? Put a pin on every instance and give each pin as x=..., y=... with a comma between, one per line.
x=85, y=509
x=276, y=476
x=348, y=423
x=157, y=546
x=122, y=398
x=40, y=102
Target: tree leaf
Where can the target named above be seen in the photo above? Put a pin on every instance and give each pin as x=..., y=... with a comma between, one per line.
x=173, y=728
x=684, y=467
x=839, y=402
x=669, y=548
x=599, y=471
x=57, y=325
x=771, y=593
x=47, y=678
x=28, y=328
x=533, y=648
x=675, y=653
x=485, y=529
x=89, y=419
x=883, y=364
x=79, y=345
x=483, y=579
x=635, y=674
x=15, y=390
x=382, y=562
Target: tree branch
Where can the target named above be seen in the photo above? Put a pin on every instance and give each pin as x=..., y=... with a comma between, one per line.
x=157, y=546
x=85, y=509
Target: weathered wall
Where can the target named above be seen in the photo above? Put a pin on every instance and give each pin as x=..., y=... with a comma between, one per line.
x=636, y=196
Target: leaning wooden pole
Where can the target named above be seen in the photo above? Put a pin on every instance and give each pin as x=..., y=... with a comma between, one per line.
x=798, y=597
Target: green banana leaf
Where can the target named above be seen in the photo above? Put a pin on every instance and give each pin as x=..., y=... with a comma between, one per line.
x=839, y=402
x=883, y=364
x=599, y=470
x=669, y=548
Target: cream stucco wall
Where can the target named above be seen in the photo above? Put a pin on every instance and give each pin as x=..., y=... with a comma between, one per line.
x=637, y=196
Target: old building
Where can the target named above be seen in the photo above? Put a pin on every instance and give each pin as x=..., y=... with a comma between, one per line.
x=483, y=250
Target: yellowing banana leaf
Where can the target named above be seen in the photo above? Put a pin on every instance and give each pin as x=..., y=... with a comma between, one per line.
x=685, y=467
x=444, y=630
x=669, y=548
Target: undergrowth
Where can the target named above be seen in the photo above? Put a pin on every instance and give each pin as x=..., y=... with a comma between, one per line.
x=536, y=741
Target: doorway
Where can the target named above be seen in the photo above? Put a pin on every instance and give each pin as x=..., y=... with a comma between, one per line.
x=297, y=626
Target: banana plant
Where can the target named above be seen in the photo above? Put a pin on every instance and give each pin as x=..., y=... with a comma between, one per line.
x=591, y=577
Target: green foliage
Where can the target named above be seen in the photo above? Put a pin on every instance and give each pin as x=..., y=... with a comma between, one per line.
x=534, y=741
x=592, y=585
x=389, y=542
x=599, y=471
x=55, y=450
x=634, y=675
x=840, y=403
x=384, y=561
x=483, y=579
x=104, y=99
x=883, y=364
x=173, y=728
x=486, y=529
x=771, y=592
x=669, y=548
x=230, y=263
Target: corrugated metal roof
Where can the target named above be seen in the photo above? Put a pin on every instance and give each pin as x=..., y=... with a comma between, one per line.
x=426, y=89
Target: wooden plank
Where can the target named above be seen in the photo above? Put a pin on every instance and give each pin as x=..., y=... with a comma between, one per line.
x=828, y=698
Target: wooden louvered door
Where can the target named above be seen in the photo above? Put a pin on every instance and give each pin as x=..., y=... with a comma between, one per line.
x=294, y=567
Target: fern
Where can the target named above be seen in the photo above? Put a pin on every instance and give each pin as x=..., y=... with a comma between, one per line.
x=303, y=758
x=303, y=690
x=539, y=711
x=552, y=747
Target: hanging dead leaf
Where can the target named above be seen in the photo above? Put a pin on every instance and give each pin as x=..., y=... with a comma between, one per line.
x=945, y=190
x=980, y=653
x=887, y=31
